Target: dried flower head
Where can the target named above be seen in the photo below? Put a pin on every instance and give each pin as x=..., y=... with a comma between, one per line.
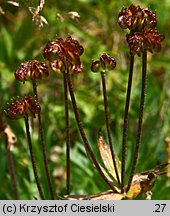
x=142, y=25
x=20, y=108
x=149, y=40
x=61, y=53
x=31, y=70
x=134, y=18
x=105, y=62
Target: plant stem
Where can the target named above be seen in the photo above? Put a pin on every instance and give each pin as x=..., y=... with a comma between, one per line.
x=67, y=132
x=83, y=135
x=43, y=145
x=33, y=158
x=125, y=123
x=107, y=125
x=11, y=168
x=140, y=120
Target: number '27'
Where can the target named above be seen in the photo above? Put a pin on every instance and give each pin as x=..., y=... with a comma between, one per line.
x=159, y=207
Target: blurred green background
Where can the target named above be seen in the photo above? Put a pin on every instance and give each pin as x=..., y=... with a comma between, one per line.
x=97, y=30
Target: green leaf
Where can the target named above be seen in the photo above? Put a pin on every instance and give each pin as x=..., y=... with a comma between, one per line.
x=7, y=39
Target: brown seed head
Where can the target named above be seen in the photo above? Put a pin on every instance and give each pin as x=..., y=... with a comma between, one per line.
x=31, y=70
x=135, y=19
x=142, y=25
x=105, y=62
x=149, y=40
x=61, y=53
x=19, y=108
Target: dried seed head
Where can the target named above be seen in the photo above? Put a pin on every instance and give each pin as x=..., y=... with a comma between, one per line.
x=134, y=18
x=149, y=40
x=31, y=70
x=105, y=62
x=19, y=108
x=142, y=25
x=61, y=53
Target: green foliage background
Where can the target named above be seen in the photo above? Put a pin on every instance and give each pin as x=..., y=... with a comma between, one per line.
x=98, y=31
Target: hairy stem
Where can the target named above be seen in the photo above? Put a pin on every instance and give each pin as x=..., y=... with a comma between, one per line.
x=11, y=168
x=83, y=135
x=125, y=123
x=140, y=120
x=33, y=158
x=107, y=125
x=43, y=145
x=67, y=132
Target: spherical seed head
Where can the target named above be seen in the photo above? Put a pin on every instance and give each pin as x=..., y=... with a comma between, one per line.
x=19, y=108
x=142, y=25
x=62, y=53
x=149, y=40
x=105, y=62
x=134, y=18
x=31, y=70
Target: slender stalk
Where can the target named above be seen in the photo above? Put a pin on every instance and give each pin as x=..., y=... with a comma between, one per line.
x=11, y=168
x=67, y=132
x=83, y=135
x=33, y=158
x=107, y=125
x=140, y=120
x=125, y=123
x=43, y=144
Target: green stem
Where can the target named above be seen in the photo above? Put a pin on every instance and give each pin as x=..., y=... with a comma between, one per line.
x=107, y=125
x=83, y=135
x=33, y=158
x=125, y=123
x=67, y=132
x=140, y=120
x=43, y=145
x=11, y=168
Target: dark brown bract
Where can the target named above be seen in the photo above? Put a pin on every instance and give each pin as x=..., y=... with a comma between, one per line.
x=20, y=108
x=62, y=53
x=31, y=70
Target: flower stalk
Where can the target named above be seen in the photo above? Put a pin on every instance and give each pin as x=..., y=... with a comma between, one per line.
x=11, y=168
x=83, y=135
x=125, y=122
x=32, y=157
x=67, y=132
x=42, y=138
x=140, y=120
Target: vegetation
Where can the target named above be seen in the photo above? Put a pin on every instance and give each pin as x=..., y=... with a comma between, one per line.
x=25, y=32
